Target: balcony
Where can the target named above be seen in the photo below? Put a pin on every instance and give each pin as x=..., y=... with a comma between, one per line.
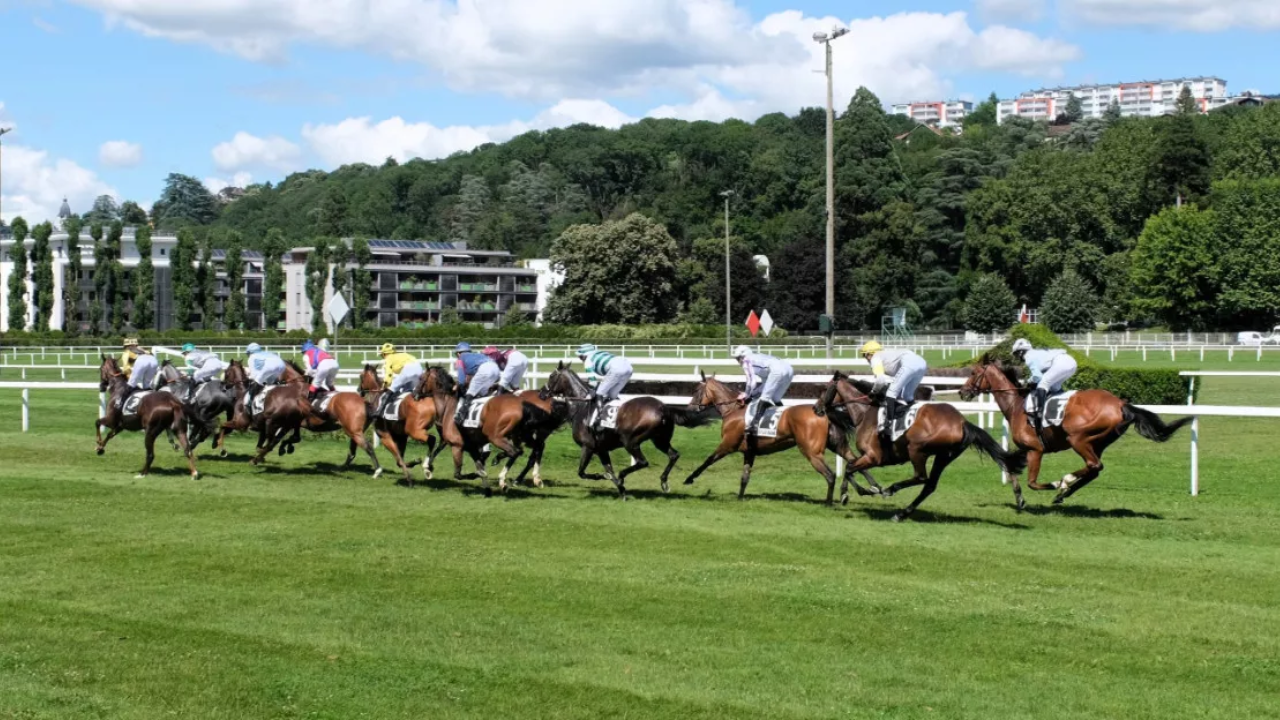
x=420, y=285
x=530, y=288
x=418, y=305
x=484, y=306
x=477, y=287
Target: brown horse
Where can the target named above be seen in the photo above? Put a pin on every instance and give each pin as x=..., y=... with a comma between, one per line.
x=506, y=421
x=639, y=421
x=347, y=411
x=799, y=426
x=417, y=417
x=1093, y=419
x=939, y=432
x=157, y=413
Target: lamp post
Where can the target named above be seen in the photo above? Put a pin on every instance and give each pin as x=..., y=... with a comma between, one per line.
x=728, y=294
x=826, y=39
x=2, y=132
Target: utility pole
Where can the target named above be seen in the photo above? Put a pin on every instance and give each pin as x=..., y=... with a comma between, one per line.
x=2, y=132
x=728, y=293
x=826, y=39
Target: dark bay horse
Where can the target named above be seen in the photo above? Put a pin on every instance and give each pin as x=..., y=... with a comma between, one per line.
x=639, y=421
x=800, y=427
x=506, y=422
x=212, y=400
x=939, y=432
x=157, y=413
x=417, y=418
x=1093, y=419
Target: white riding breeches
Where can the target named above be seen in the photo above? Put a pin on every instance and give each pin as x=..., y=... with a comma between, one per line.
x=408, y=378
x=208, y=371
x=485, y=377
x=325, y=373
x=144, y=372
x=904, y=384
x=615, y=379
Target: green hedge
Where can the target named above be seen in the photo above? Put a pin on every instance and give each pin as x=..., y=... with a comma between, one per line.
x=1144, y=386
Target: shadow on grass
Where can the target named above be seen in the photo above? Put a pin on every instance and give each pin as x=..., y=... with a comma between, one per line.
x=1080, y=511
x=320, y=468
x=926, y=516
x=609, y=492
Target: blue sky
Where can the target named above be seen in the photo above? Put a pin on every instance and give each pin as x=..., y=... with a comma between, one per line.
x=108, y=96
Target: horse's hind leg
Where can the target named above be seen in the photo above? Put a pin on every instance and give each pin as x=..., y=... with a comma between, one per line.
x=930, y=483
x=748, y=460
x=638, y=462
x=587, y=453
x=150, y=443
x=1088, y=448
x=921, y=476
x=607, y=462
x=190, y=450
x=662, y=441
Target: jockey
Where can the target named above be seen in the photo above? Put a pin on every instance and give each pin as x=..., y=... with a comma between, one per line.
x=401, y=372
x=482, y=371
x=1050, y=369
x=513, y=365
x=607, y=373
x=205, y=365
x=265, y=368
x=767, y=381
x=898, y=373
x=141, y=369
x=321, y=366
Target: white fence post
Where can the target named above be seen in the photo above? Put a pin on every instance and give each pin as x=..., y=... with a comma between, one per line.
x=1195, y=441
x=102, y=405
x=26, y=409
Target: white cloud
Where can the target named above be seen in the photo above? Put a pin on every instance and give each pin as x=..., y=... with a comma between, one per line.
x=1012, y=10
x=240, y=180
x=120, y=153
x=35, y=183
x=1196, y=15
x=250, y=151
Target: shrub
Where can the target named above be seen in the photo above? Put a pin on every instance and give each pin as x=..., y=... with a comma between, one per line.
x=989, y=306
x=1069, y=304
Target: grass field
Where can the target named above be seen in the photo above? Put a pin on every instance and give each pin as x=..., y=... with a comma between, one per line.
x=300, y=591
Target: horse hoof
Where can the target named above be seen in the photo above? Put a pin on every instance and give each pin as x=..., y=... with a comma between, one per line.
x=844, y=498
x=665, y=488
x=1058, y=500
x=898, y=517
x=488, y=493
x=290, y=449
x=377, y=473
x=689, y=481
x=223, y=453
x=102, y=450
x=281, y=451
x=139, y=476
x=1021, y=504
x=195, y=476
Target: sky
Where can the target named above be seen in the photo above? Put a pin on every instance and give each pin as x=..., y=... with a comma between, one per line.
x=110, y=96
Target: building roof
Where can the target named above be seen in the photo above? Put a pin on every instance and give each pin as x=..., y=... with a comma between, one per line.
x=64, y=212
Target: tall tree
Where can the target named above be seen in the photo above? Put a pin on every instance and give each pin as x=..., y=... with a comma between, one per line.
x=1175, y=269
x=42, y=275
x=18, y=276
x=207, y=284
x=1187, y=104
x=144, y=282
x=183, y=264
x=1247, y=215
x=104, y=210
x=317, y=270
x=235, y=309
x=1074, y=111
x=131, y=213
x=797, y=286
x=101, y=279
x=470, y=207
x=119, y=292
x=986, y=114
x=1070, y=304
x=617, y=272
x=1180, y=170
x=332, y=218
x=362, y=280
x=184, y=201
x=1113, y=112
x=273, y=283
x=868, y=172
x=71, y=278
x=340, y=275
x=989, y=306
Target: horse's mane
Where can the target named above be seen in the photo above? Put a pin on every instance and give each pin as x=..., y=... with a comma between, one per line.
x=296, y=368
x=575, y=381
x=446, y=380
x=861, y=386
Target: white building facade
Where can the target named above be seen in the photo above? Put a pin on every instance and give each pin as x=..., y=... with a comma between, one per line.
x=939, y=113
x=1144, y=98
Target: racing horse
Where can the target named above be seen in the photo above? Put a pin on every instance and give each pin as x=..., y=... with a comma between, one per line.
x=939, y=432
x=416, y=419
x=213, y=399
x=156, y=413
x=1092, y=420
x=800, y=427
x=639, y=421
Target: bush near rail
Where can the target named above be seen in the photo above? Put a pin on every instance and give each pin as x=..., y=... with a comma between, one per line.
x=1144, y=386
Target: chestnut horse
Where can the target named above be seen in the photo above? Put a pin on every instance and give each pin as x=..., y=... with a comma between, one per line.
x=157, y=413
x=939, y=432
x=507, y=422
x=799, y=426
x=417, y=417
x=1093, y=419
x=639, y=420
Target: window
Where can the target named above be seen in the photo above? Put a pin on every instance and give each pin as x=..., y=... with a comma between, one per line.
x=162, y=252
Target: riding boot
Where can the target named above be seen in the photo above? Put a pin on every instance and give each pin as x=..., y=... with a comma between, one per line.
x=1041, y=398
x=594, y=409
x=124, y=397
x=762, y=407
x=890, y=417
x=464, y=408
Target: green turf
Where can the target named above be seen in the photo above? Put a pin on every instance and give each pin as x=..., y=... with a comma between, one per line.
x=302, y=591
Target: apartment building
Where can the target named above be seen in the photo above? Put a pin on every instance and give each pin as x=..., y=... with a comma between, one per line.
x=1144, y=98
x=941, y=113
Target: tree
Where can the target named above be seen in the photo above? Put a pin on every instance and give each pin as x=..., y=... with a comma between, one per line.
x=362, y=281
x=1187, y=104
x=101, y=274
x=797, y=287
x=234, y=259
x=317, y=270
x=131, y=213
x=868, y=172
x=701, y=311
x=207, y=284
x=71, y=279
x=118, y=292
x=469, y=209
x=18, y=276
x=1180, y=169
x=1247, y=230
x=42, y=274
x=1074, y=112
x=104, y=210
x=1113, y=113
x=273, y=283
x=144, y=282
x=449, y=316
x=183, y=261
x=986, y=114
x=990, y=305
x=1069, y=305
x=333, y=212
x=617, y=272
x=1175, y=271
x=515, y=317
x=184, y=201
x=749, y=289
x=884, y=262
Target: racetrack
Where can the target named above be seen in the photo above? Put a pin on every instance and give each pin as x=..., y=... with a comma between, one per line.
x=302, y=591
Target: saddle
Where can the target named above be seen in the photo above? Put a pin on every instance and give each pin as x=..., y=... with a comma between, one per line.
x=607, y=416
x=902, y=423
x=1055, y=408
x=768, y=421
x=130, y=406
x=393, y=408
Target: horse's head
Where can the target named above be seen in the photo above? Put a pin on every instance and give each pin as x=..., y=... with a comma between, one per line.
x=369, y=381
x=168, y=374
x=292, y=372
x=109, y=371
x=564, y=382
x=234, y=374
x=436, y=380
x=989, y=375
x=711, y=393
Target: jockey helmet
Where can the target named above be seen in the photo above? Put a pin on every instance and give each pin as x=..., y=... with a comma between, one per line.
x=188, y=347
x=462, y=347
x=1021, y=345
x=871, y=347
x=492, y=352
x=253, y=349
x=386, y=349
x=586, y=349
x=130, y=342
x=740, y=352
x=308, y=345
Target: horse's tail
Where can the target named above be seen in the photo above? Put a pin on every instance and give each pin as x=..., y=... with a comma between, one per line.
x=1149, y=424
x=1011, y=462
x=689, y=418
x=532, y=416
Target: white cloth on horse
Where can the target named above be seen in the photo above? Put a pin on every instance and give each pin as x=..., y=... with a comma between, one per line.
x=208, y=370
x=144, y=372
x=485, y=377
x=408, y=378
x=513, y=373
x=910, y=369
x=325, y=373
x=614, y=380
x=265, y=368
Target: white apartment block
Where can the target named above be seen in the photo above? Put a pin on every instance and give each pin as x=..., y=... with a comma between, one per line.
x=944, y=113
x=1145, y=98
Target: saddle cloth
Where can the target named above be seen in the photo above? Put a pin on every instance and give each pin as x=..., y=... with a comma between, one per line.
x=768, y=423
x=608, y=415
x=131, y=405
x=393, y=408
x=472, y=420
x=903, y=422
x=260, y=400
x=1055, y=408
x=322, y=404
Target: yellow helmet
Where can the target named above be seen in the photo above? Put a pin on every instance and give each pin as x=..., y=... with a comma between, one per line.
x=387, y=349
x=871, y=347
x=130, y=342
